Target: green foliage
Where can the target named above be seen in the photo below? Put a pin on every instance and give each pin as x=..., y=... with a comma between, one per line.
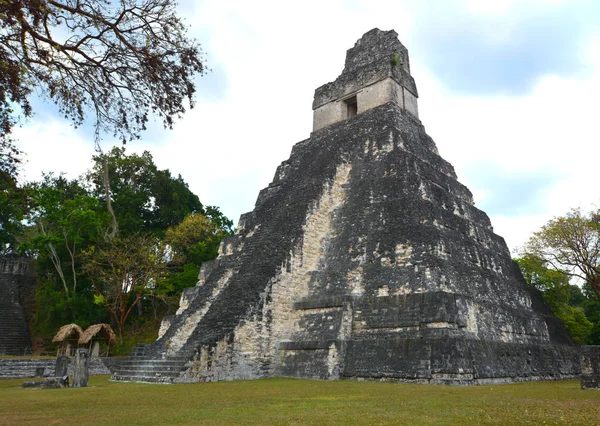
x=594, y=337
x=196, y=239
x=193, y=241
x=591, y=308
x=53, y=309
x=140, y=330
x=571, y=243
x=395, y=61
x=86, y=276
x=99, y=299
x=144, y=198
x=176, y=282
x=121, y=270
x=576, y=322
x=557, y=292
x=64, y=221
x=219, y=219
x=13, y=207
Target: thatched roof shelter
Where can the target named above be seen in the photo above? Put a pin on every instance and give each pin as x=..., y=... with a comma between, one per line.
x=68, y=332
x=99, y=332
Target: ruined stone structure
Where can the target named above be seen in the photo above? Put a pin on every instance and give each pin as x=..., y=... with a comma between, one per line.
x=16, y=284
x=590, y=367
x=365, y=258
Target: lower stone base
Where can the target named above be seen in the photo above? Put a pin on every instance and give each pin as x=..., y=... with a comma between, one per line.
x=590, y=367
x=451, y=361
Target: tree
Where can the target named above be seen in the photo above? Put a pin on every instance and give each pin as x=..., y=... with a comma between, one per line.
x=196, y=239
x=144, y=199
x=193, y=241
x=64, y=221
x=13, y=207
x=122, y=60
x=13, y=198
x=571, y=243
x=10, y=157
x=121, y=270
x=562, y=298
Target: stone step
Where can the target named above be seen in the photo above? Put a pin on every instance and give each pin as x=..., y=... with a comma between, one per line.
x=148, y=373
x=141, y=379
x=150, y=358
x=157, y=363
x=154, y=369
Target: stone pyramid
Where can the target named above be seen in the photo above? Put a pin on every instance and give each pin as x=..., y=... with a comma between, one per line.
x=365, y=258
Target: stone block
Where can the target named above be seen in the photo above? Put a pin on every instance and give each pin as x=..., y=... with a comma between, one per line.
x=62, y=366
x=590, y=367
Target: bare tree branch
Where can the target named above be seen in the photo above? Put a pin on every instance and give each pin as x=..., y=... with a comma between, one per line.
x=121, y=61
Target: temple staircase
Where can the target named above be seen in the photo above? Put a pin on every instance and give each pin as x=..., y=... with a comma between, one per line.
x=145, y=368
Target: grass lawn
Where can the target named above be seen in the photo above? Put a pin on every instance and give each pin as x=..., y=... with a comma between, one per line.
x=298, y=402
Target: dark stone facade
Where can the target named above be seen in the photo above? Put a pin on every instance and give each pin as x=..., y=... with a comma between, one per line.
x=365, y=258
x=21, y=367
x=17, y=279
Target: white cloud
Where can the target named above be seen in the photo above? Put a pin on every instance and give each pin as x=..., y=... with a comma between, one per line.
x=271, y=56
x=53, y=146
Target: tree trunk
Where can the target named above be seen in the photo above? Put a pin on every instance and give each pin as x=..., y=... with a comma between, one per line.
x=114, y=226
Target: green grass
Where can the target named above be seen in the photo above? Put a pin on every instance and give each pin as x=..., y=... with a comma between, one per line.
x=299, y=402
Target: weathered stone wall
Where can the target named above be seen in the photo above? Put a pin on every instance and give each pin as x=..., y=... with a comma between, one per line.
x=12, y=368
x=16, y=284
x=371, y=77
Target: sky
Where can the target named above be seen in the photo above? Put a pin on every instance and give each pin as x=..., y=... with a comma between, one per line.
x=508, y=89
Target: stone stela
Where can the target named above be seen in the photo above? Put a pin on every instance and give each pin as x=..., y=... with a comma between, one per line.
x=364, y=259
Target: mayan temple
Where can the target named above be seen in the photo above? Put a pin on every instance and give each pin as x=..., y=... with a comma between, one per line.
x=364, y=259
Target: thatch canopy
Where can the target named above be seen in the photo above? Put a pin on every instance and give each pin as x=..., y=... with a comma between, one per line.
x=68, y=332
x=100, y=331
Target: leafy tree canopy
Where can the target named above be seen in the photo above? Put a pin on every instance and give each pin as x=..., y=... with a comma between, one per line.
x=193, y=241
x=121, y=269
x=196, y=239
x=571, y=243
x=144, y=198
x=13, y=207
x=84, y=272
x=563, y=298
x=64, y=219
